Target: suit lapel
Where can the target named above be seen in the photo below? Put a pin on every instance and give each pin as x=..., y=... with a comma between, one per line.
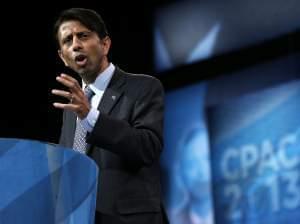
x=112, y=93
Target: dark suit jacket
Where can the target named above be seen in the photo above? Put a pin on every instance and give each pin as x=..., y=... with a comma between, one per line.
x=126, y=143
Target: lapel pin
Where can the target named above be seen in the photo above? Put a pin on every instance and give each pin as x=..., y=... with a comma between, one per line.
x=113, y=97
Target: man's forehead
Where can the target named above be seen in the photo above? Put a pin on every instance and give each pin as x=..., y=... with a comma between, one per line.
x=69, y=27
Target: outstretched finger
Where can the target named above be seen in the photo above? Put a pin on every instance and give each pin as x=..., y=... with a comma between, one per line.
x=62, y=93
x=69, y=106
x=73, y=85
x=68, y=77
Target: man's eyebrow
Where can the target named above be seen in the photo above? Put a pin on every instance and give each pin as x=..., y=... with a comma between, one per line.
x=84, y=31
x=76, y=33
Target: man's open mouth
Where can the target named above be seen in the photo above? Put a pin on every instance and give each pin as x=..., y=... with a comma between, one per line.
x=81, y=60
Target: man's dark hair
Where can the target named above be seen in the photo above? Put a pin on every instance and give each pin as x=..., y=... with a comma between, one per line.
x=87, y=17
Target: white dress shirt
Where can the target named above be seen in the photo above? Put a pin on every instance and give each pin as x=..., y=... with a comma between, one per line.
x=98, y=87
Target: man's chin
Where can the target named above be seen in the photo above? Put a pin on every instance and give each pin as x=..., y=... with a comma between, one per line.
x=82, y=72
x=81, y=68
x=87, y=76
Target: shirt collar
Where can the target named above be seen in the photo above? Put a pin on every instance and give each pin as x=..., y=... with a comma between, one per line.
x=102, y=79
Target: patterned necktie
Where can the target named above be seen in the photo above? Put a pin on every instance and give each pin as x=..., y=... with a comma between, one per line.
x=80, y=144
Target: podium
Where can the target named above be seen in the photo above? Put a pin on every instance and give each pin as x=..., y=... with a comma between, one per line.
x=45, y=183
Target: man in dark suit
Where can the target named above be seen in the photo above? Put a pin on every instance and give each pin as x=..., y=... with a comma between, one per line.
x=122, y=121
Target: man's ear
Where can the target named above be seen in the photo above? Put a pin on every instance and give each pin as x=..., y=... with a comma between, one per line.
x=106, y=42
x=60, y=54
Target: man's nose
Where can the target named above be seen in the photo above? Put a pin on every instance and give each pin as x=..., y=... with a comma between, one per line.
x=77, y=45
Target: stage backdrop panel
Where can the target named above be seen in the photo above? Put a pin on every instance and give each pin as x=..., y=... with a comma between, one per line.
x=255, y=156
x=185, y=159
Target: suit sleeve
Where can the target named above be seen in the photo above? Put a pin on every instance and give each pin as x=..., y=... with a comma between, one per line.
x=139, y=142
